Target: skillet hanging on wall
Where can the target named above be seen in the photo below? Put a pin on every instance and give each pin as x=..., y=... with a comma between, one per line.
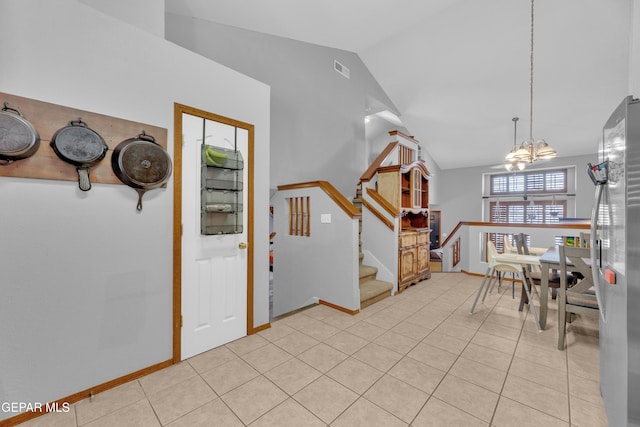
x=77, y=144
x=141, y=164
x=18, y=138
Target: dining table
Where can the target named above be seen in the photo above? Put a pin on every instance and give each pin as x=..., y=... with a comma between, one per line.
x=548, y=260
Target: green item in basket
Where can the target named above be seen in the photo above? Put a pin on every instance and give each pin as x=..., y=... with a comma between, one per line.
x=216, y=154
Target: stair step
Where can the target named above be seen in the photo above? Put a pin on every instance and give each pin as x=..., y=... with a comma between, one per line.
x=367, y=272
x=373, y=291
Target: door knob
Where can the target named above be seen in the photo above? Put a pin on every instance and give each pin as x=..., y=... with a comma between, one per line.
x=242, y=245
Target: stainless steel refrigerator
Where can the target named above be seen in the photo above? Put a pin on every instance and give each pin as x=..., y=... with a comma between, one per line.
x=615, y=253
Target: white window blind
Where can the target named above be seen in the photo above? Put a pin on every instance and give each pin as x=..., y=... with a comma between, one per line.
x=546, y=182
x=527, y=198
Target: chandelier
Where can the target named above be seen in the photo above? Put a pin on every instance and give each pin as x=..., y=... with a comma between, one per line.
x=530, y=150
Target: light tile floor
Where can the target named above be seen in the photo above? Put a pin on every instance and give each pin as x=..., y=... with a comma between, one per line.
x=417, y=359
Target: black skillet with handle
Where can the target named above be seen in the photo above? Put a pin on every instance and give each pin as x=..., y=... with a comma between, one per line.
x=141, y=163
x=19, y=139
x=80, y=146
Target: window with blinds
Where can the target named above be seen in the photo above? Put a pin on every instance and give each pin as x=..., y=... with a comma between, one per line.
x=530, y=199
x=534, y=182
x=528, y=212
x=536, y=190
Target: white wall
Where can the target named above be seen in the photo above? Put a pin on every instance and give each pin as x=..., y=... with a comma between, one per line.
x=145, y=14
x=323, y=265
x=380, y=245
x=634, y=52
x=86, y=280
x=317, y=114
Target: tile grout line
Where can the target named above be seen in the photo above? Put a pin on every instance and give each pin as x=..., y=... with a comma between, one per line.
x=568, y=396
x=454, y=362
x=452, y=313
x=361, y=395
x=146, y=396
x=509, y=368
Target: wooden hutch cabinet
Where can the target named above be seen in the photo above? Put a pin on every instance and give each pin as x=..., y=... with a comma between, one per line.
x=406, y=188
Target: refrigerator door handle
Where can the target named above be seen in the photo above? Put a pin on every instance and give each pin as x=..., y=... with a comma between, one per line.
x=595, y=268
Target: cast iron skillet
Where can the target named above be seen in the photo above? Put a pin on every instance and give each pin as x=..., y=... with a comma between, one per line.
x=80, y=146
x=18, y=138
x=141, y=164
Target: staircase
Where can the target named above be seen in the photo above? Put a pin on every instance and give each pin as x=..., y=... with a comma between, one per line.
x=371, y=289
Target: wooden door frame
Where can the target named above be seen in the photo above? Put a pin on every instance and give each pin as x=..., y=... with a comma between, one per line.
x=179, y=109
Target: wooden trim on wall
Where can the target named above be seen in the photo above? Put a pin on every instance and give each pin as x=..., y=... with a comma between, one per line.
x=48, y=118
x=378, y=215
x=261, y=327
x=251, y=225
x=177, y=231
x=390, y=168
x=384, y=203
x=337, y=307
x=331, y=191
x=371, y=171
x=76, y=397
x=453, y=232
x=403, y=135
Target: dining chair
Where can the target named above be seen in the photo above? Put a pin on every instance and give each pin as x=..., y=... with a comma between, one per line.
x=535, y=275
x=580, y=298
x=495, y=268
x=508, y=246
x=532, y=250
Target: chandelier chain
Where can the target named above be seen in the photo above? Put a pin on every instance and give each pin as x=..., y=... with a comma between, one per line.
x=530, y=150
x=531, y=81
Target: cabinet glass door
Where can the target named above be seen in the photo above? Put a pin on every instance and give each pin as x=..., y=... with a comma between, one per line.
x=417, y=189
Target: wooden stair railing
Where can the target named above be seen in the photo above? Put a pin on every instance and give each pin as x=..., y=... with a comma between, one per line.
x=331, y=191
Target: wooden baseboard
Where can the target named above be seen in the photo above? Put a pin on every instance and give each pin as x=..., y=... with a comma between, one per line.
x=337, y=307
x=76, y=397
x=259, y=328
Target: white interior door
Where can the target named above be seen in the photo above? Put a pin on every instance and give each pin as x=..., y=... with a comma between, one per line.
x=214, y=267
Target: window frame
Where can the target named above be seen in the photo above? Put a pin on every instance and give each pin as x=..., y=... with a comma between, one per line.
x=526, y=177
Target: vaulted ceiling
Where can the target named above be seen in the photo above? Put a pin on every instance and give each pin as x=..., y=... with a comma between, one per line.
x=458, y=71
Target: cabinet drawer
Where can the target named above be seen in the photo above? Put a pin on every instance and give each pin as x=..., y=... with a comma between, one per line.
x=407, y=239
x=422, y=238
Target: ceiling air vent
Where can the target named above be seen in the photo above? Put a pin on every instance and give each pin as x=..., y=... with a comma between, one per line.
x=341, y=68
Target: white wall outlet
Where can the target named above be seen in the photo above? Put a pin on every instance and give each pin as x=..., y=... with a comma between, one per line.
x=325, y=218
